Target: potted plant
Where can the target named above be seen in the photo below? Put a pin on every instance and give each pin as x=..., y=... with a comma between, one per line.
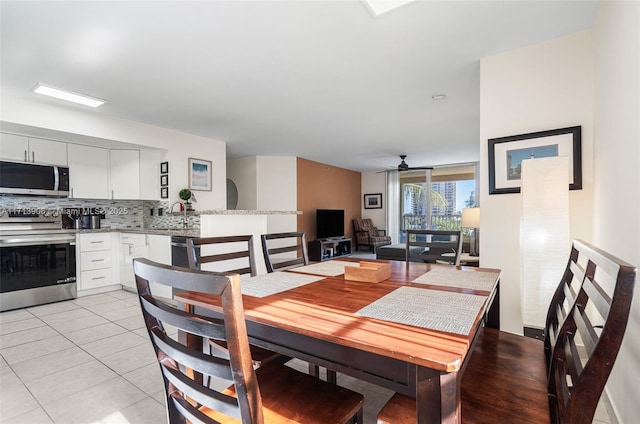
x=186, y=195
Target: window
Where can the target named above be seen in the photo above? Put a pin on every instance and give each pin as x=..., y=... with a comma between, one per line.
x=451, y=189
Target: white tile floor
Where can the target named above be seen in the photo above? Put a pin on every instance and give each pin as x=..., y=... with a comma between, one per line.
x=89, y=361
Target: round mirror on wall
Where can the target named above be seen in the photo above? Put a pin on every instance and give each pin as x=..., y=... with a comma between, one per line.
x=232, y=194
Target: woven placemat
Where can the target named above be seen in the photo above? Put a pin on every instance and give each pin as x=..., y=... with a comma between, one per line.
x=328, y=268
x=275, y=282
x=451, y=277
x=432, y=309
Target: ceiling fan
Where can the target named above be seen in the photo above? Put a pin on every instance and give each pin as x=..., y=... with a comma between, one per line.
x=403, y=166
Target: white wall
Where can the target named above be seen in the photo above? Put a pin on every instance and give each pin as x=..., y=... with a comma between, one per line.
x=278, y=190
x=49, y=115
x=267, y=183
x=617, y=174
x=242, y=171
x=372, y=183
x=541, y=87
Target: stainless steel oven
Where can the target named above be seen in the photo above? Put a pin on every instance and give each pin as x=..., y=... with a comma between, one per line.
x=37, y=258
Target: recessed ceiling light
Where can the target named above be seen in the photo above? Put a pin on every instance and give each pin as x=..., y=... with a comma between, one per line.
x=67, y=95
x=438, y=97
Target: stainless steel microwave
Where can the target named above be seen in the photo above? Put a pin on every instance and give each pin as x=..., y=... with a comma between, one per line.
x=33, y=179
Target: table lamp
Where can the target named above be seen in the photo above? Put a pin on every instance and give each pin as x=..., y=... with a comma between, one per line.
x=471, y=219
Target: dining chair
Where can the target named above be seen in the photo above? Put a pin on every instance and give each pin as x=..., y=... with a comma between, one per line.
x=441, y=246
x=512, y=378
x=273, y=393
x=284, y=250
x=288, y=250
x=228, y=254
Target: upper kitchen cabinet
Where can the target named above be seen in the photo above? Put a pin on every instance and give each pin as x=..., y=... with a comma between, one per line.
x=36, y=150
x=88, y=172
x=134, y=174
x=125, y=174
x=150, y=174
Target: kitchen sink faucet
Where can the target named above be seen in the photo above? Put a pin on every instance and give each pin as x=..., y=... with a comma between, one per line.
x=185, y=223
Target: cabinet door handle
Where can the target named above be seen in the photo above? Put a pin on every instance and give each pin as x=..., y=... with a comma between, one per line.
x=71, y=193
x=112, y=195
x=96, y=241
x=33, y=157
x=97, y=260
x=26, y=158
x=98, y=278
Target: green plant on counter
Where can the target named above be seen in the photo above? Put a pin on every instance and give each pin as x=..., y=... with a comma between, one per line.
x=185, y=194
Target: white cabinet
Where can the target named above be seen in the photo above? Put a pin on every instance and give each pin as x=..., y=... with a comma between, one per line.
x=124, y=174
x=131, y=246
x=95, y=261
x=48, y=151
x=159, y=250
x=134, y=174
x=149, y=175
x=14, y=147
x=37, y=150
x=88, y=172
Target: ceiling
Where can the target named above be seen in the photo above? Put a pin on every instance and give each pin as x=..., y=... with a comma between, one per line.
x=323, y=80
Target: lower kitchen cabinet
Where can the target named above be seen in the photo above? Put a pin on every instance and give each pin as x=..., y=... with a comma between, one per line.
x=152, y=246
x=131, y=246
x=105, y=260
x=95, y=263
x=159, y=250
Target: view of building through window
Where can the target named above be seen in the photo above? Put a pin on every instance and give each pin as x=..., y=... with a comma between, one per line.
x=451, y=190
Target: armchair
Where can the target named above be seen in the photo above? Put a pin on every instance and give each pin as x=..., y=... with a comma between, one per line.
x=366, y=234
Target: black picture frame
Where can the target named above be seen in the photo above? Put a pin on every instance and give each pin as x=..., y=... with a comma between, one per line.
x=164, y=167
x=504, y=175
x=373, y=201
x=164, y=192
x=164, y=180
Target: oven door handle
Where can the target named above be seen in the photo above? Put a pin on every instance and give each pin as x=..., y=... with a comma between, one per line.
x=18, y=241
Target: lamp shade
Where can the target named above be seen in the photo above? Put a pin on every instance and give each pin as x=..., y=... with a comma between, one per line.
x=470, y=218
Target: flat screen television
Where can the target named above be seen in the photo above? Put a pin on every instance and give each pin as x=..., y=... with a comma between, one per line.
x=329, y=223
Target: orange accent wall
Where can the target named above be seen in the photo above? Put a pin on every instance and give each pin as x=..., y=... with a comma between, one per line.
x=322, y=186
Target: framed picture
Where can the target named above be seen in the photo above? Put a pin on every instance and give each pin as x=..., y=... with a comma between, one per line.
x=164, y=180
x=164, y=167
x=507, y=153
x=199, y=174
x=164, y=192
x=373, y=201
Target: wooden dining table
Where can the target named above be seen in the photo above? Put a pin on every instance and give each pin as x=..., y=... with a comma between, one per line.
x=322, y=322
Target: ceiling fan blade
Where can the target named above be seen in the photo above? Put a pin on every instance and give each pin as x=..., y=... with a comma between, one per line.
x=413, y=168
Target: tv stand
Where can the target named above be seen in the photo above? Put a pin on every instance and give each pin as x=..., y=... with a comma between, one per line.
x=325, y=249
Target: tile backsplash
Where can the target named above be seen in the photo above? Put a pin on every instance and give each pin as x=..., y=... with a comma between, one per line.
x=118, y=214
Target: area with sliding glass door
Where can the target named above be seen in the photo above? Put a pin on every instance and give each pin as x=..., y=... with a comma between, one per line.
x=435, y=199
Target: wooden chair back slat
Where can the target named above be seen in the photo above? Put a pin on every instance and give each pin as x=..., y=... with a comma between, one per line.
x=229, y=261
x=278, y=243
x=202, y=326
x=598, y=297
x=188, y=386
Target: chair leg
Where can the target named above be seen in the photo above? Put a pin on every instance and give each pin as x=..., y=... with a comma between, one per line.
x=314, y=370
x=332, y=376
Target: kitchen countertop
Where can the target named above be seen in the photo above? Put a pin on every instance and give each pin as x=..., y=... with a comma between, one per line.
x=234, y=212
x=190, y=232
